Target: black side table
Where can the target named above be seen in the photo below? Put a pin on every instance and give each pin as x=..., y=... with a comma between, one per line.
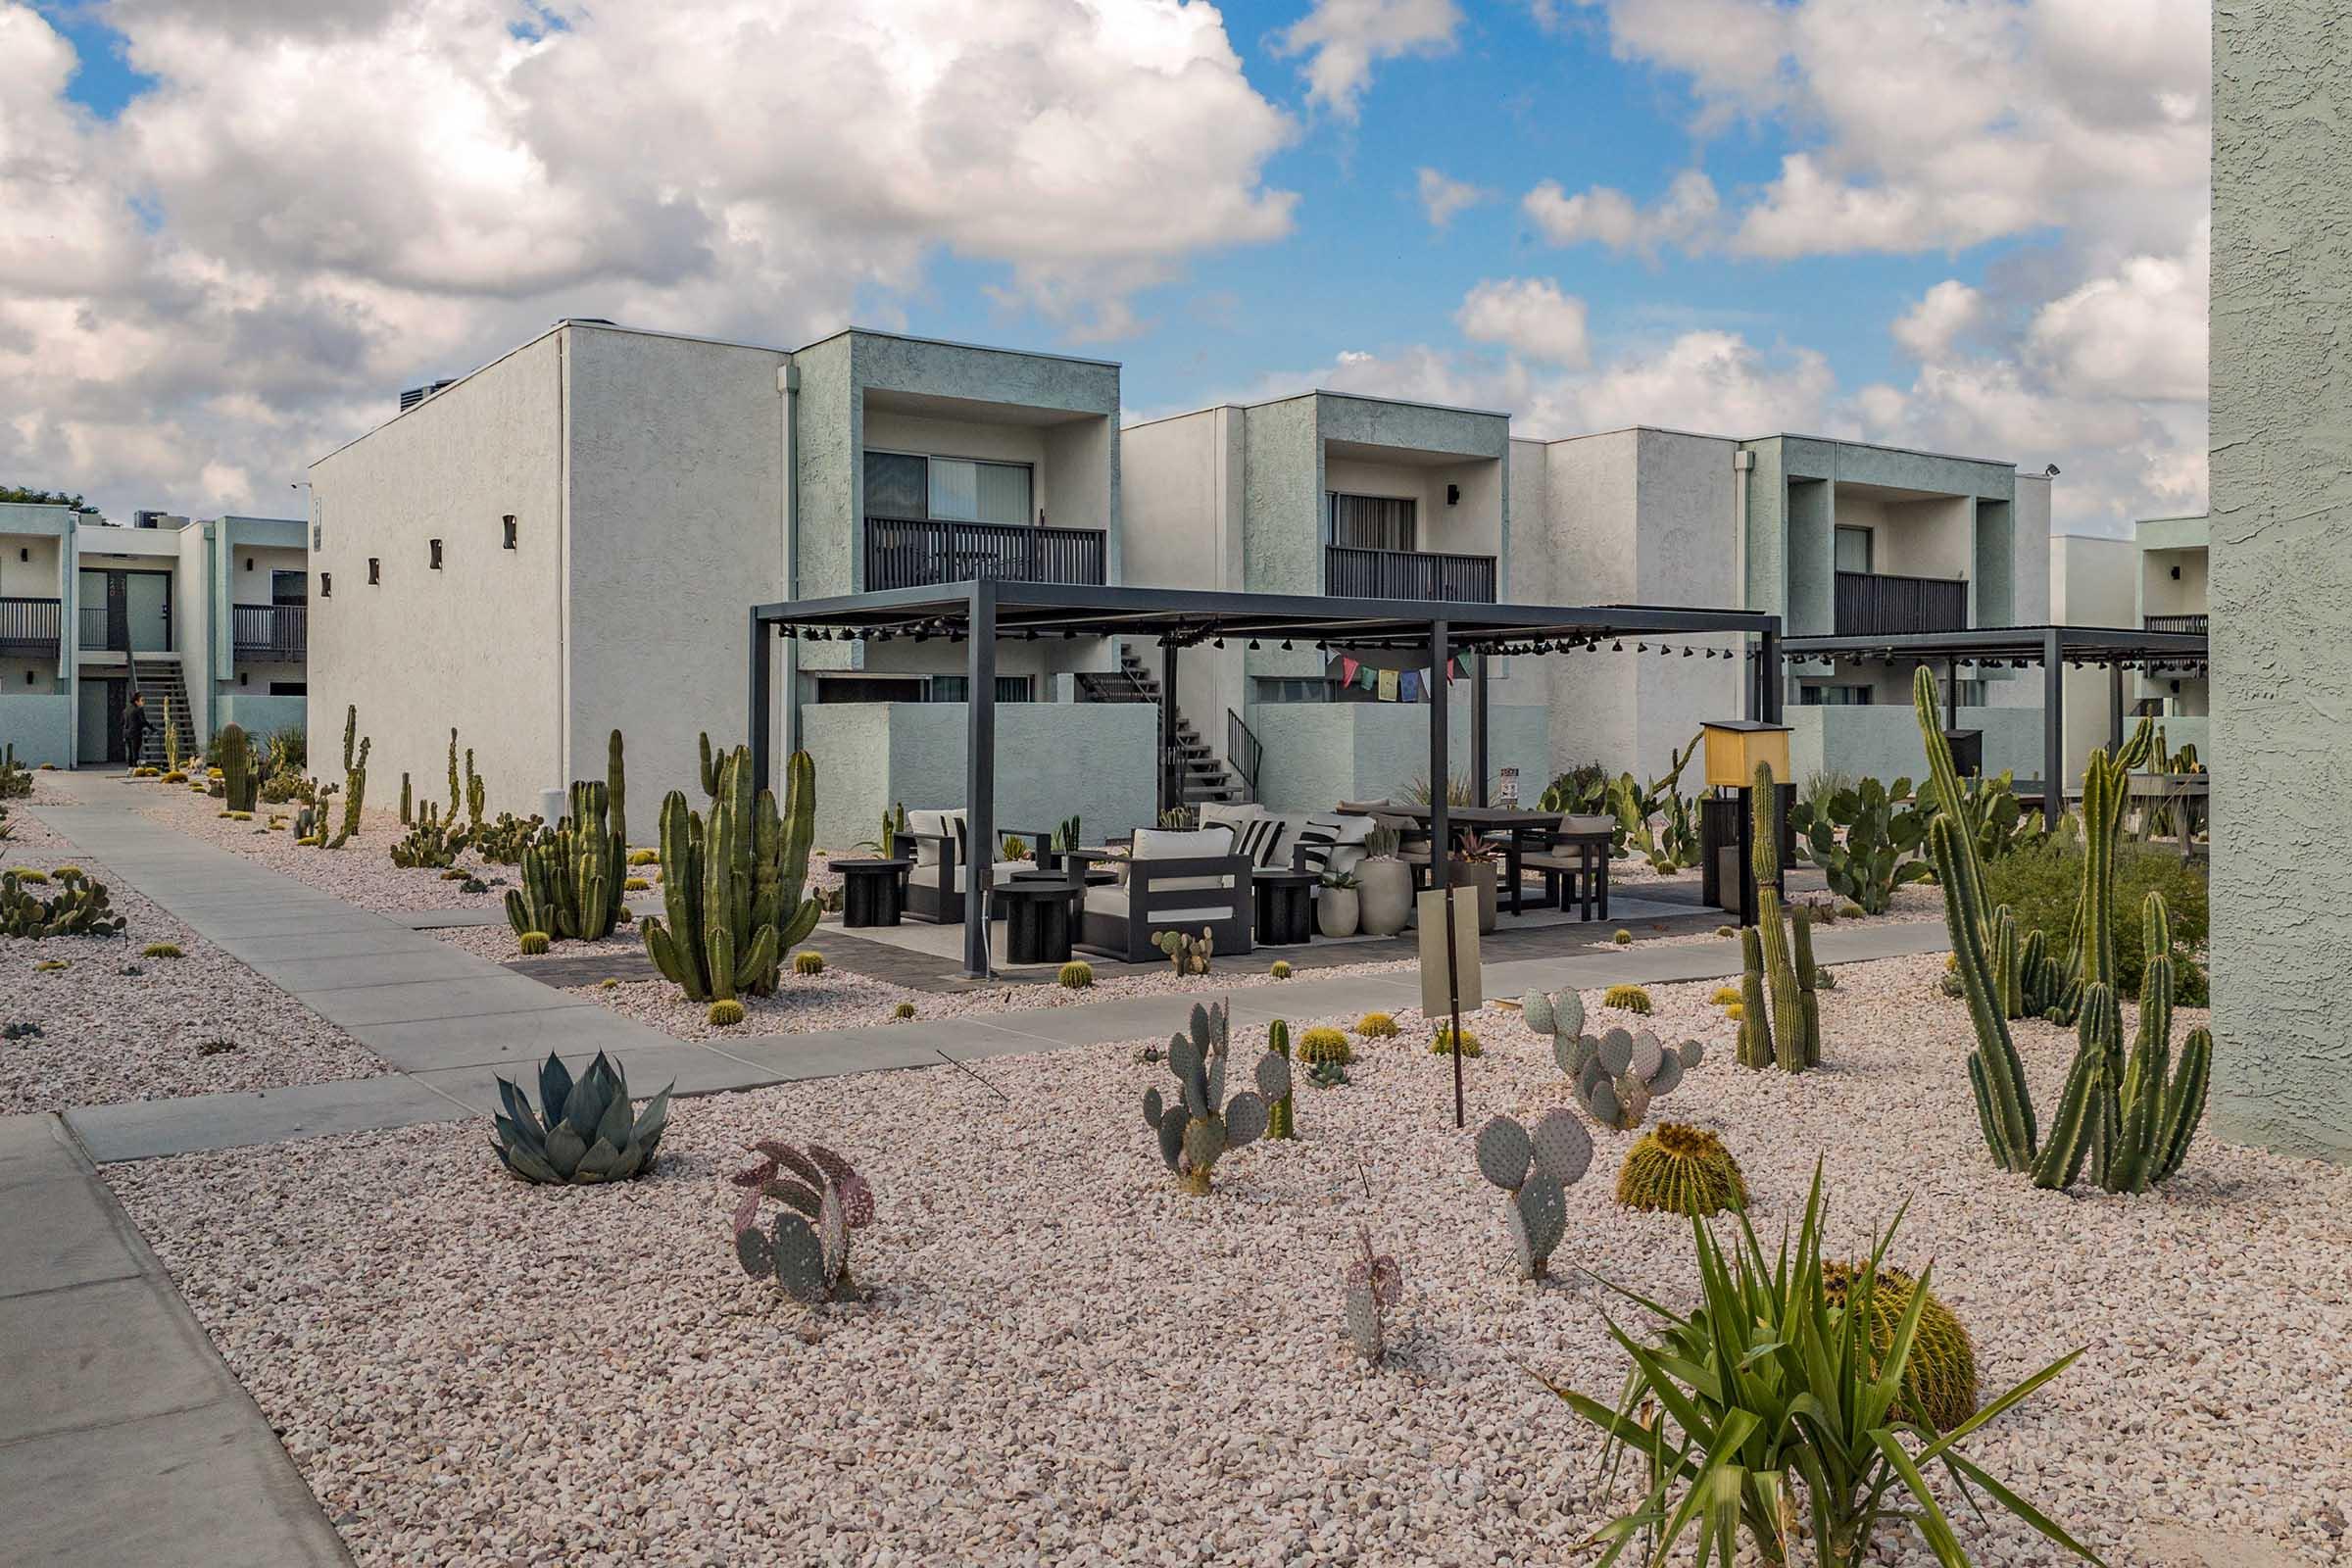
x=872, y=891
x=1285, y=907
x=1037, y=918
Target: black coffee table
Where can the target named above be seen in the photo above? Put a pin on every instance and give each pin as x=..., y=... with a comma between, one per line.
x=1285, y=907
x=872, y=891
x=1037, y=910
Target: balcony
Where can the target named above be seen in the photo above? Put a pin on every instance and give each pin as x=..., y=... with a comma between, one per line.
x=269, y=634
x=95, y=634
x=1351, y=572
x=30, y=629
x=1872, y=604
x=2192, y=624
x=902, y=554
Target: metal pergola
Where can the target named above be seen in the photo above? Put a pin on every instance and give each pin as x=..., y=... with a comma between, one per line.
x=2053, y=647
x=980, y=615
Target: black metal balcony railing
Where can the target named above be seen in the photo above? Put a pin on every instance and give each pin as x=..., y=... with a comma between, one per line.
x=1351, y=572
x=269, y=634
x=2194, y=625
x=94, y=633
x=1872, y=604
x=30, y=628
x=902, y=554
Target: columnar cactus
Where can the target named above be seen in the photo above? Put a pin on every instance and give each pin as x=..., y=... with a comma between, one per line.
x=571, y=876
x=239, y=782
x=1373, y=1282
x=806, y=1251
x=732, y=883
x=1795, y=1046
x=454, y=799
x=1201, y=1125
x=1281, y=1108
x=355, y=776
x=1755, y=1020
x=407, y=802
x=1536, y=1169
x=477, y=796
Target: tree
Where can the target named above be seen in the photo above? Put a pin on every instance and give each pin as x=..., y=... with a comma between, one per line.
x=26, y=496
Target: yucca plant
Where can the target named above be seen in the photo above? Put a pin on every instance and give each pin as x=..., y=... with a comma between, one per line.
x=590, y=1134
x=1766, y=1384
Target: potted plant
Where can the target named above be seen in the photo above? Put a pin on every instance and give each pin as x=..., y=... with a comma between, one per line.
x=1474, y=867
x=1384, y=885
x=1336, y=906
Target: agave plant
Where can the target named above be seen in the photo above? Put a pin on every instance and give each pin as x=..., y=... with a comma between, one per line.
x=589, y=1133
x=806, y=1251
x=1777, y=1378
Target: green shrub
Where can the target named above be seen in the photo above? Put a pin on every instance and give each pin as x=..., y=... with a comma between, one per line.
x=2040, y=885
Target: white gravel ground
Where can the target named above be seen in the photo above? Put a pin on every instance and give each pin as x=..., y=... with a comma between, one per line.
x=1071, y=1362
x=107, y=1036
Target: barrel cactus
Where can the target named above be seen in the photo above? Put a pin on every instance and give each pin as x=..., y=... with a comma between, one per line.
x=589, y=1133
x=1939, y=1379
x=1201, y=1125
x=1076, y=975
x=1373, y=1282
x=1376, y=1026
x=1536, y=1169
x=821, y=1199
x=1441, y=1043
x=1627, y=999
x=1676, y=1169
x=1319, y=1046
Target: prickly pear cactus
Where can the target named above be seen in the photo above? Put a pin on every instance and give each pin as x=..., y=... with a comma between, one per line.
x=1536, y=1169
x=821, y=1200
x=1617, y=1075
x=1200, y=1125
x=1190, y=954
x=1372, y=1283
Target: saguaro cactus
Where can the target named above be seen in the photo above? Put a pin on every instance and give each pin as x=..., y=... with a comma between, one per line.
x=1796, y=1043
x=238, y=781
x=732, y=881
x=355, y=775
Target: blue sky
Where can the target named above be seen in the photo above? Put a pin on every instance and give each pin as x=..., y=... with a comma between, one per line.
x=1967, y=224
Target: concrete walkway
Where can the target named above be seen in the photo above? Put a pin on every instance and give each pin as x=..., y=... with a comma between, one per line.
x=124, y=1438
x=449, y=1023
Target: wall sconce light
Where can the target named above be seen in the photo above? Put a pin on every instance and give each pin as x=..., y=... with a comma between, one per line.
x=248, y=562
x=1453, y=495
x=243, y=676
x=327, y=585
x=436, y=561
x=507, y=532
x=376, y=571
x=24, y=552
x=2176, y=574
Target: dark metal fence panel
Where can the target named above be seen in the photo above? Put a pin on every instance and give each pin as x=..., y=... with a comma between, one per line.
x=904, y=553
x=269, y=634
x=1351, y=572
x=30, y=626
x=2195, y=624
x=1874, y=604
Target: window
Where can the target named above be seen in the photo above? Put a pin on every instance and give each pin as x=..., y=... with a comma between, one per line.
x=376, y=571
x=918, y=489
x=1853, y=548
x=1809, y=695
x=327, y=585
x=289, y=688
x=1293, y=689
x=1372, y=522
x=953, y=688
x=506, y=531
x=289, y=587
x=436, y=562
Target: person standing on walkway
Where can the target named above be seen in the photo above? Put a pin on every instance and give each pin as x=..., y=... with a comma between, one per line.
x=135, y=728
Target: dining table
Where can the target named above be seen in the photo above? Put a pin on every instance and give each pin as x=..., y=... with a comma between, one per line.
x=1514, y=829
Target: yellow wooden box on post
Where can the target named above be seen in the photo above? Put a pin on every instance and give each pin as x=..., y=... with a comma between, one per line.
x=1735, y=746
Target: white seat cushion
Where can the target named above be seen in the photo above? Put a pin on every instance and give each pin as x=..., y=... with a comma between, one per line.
x=1165, y=844
x=1113, y=902
x=935, y=822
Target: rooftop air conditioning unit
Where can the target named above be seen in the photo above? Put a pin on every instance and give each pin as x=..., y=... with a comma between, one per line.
x=414, y=395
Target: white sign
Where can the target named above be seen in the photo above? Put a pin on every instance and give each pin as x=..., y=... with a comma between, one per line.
x=1509, y=788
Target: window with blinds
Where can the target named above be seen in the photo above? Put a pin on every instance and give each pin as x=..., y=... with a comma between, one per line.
x=919, y=489
x=1372, y=522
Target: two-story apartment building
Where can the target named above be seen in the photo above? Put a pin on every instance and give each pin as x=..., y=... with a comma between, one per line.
x=1334, y=494
x=566, y=540
x=208, y=616
x=1837, y=537
x=2171, y=587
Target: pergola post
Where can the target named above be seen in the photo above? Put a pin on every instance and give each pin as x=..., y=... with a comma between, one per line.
x=1771, y=689
x=2115, y=707
x=2053, y=729
x=760, y=699
x=1440, y=838
x=1478, y=727
x=979, y=777
x=1951, y=695
x=1171, y=774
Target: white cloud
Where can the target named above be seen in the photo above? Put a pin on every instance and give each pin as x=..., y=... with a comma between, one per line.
x=2139, y=332
x=1528, y=315
x=315, y=205
x=1942, y=314
x=1344, y=39
x=1444, y=198
x=1685, y=215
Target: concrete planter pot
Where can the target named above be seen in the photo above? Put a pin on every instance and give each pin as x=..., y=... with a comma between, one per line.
x=1337, y=912
x=1385, y=895
x=1482, y=876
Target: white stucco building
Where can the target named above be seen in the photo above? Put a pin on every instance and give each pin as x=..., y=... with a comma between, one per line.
x=209, y=615
x=567, y=541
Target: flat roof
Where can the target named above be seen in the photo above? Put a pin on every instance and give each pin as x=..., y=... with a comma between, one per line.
x=1029, y=609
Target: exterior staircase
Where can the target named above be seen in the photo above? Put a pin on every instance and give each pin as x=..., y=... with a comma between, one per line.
x=158, y=679
x=1201, y=775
